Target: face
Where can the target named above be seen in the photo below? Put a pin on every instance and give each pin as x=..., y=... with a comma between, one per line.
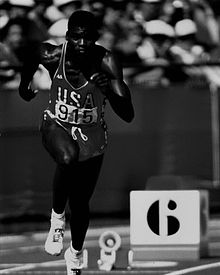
x=80, y=39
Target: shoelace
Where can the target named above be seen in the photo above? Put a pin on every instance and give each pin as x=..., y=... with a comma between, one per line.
x=78, y=263
x=58, y=236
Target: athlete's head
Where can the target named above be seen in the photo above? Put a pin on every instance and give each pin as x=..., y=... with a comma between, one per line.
x=82, y=31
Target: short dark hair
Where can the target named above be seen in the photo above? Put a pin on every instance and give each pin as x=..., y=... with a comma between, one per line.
x=82, y=18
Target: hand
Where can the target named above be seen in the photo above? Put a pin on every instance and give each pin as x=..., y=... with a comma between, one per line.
x=27, y=94
x=100, y=79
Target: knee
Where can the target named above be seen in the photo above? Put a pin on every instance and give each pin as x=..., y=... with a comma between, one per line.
x=68, y=158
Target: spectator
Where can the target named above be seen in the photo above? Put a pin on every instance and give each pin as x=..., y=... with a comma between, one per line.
x=126, y=43
x=22, y=9
x=200, y=12
x=121, y=25
x=53, y=13
x=175, y=10
x=187, y=50
x=67, y=7
x=57, y=32
x=159, y=37
x=107, y=38
x=40, y=13
x=16, y=46
x=17, y=34
x=98, y=8
x=123, y=32
x=215, y=5
x=9, y=77
x=206, y=23
x=148, y=10
x=11, y=55
x=4, y=17
x=185, y=31
x=154, y=51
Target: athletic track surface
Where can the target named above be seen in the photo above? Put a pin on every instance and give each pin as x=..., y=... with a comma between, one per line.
x=24, y=254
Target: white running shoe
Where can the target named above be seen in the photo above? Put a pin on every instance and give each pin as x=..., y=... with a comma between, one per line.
x=74, y=262
x=54, y=242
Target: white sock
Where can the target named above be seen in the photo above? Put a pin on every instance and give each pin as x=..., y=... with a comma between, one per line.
x=58, y=216
x=75, y=253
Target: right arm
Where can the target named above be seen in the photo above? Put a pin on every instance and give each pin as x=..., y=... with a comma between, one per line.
x=29, y=68
x=46, y=54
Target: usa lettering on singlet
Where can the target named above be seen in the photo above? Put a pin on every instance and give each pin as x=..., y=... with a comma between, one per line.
x=78, y=106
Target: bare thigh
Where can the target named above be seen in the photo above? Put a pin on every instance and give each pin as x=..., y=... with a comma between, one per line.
x=57, y=141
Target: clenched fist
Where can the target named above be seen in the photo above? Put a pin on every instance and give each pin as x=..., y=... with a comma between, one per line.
x=100, y=79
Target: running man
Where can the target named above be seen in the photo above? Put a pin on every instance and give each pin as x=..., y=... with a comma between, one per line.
x=84, y=75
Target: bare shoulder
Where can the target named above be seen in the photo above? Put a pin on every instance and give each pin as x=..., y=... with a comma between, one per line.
x=47, y=47
x=50, y=53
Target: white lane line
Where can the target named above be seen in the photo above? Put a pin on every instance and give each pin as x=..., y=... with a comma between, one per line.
x=89, y=243
x=97, y=272
x=32, y=266
x=194, y=269
x=12, y=239
x=23, y=249
x=9, y=265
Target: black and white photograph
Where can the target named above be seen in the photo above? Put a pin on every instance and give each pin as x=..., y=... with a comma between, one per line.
x=110, y=137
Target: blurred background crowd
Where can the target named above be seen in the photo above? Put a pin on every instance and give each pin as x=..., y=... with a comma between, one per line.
x=152, y=38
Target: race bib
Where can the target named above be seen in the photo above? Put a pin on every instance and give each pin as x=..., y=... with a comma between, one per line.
x=71, y=114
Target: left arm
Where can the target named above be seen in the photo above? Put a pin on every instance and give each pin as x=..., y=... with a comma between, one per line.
x=113, y=86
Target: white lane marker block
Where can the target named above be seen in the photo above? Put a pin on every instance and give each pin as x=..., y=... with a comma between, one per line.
x=168, y=225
